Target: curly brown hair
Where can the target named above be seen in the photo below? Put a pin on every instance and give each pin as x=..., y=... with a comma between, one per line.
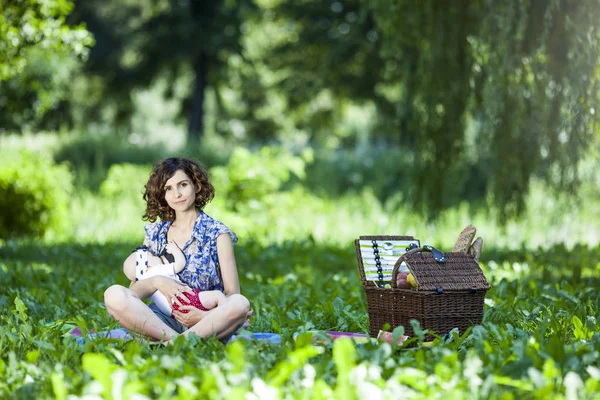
x=154, y=194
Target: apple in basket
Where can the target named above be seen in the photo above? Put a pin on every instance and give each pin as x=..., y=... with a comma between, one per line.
x=401, y=281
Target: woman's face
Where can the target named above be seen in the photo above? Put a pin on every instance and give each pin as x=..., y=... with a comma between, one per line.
x=180, y=192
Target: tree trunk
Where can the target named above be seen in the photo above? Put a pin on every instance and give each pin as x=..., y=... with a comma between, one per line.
x=196, y=112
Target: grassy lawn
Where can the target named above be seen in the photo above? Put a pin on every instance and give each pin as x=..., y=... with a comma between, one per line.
x=540, y=337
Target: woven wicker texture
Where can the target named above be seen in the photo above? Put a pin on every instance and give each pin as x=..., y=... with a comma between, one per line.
x=460, y=305
x=459, y=272
x=460, y=309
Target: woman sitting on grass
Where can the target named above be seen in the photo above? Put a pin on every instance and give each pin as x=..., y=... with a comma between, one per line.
x=176, y=192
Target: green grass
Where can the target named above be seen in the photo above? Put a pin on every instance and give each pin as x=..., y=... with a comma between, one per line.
x=540, y=337
x=338, y=221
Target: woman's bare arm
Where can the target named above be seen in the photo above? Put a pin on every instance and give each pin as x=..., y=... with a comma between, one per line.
x=229, y=274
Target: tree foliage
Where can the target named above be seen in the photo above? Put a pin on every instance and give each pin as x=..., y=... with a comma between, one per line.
x=138, y=42
x=487, y=94
x=484, y=95
x=38, y=52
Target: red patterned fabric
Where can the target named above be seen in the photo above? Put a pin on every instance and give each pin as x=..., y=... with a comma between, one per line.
x=193, y=300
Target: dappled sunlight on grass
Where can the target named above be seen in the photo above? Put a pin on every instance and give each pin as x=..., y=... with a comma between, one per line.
x=536, y=320
x=297, y=264
x=297, y=215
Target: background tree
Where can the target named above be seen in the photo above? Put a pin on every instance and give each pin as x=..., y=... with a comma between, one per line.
x=483, y=96
x=38, y=51
x=487, y=94
x=325, y=50
x=140, y=41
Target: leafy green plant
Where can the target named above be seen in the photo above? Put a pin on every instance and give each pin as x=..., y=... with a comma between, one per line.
x=125, y=181
x=539, y=337
x=250, y=177
x=34, y=194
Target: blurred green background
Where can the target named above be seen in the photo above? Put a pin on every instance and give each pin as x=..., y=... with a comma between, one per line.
x=317, y=119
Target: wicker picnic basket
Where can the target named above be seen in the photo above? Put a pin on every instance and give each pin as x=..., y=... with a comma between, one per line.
x=450, y=292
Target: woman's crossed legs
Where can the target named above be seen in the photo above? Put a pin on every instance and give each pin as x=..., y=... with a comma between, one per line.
x=133, y=314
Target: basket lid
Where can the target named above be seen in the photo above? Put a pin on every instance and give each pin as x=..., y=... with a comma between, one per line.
x=460, y=271
x=381, y=251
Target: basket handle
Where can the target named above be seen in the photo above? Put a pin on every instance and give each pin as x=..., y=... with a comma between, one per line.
x=437, y=256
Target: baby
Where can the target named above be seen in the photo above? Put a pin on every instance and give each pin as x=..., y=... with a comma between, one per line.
x=148, y=265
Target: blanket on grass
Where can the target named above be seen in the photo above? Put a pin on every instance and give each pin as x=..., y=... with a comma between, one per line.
x=318, y=337
x=121, y=333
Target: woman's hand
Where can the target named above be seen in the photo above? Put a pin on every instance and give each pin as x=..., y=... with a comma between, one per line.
x=191, y=318
x=170, y=288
